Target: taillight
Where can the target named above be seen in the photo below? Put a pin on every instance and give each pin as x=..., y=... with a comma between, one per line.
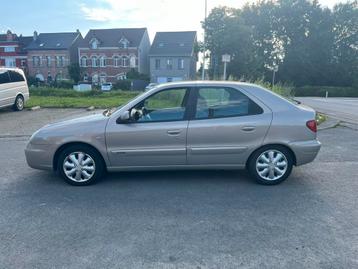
x=312, y=125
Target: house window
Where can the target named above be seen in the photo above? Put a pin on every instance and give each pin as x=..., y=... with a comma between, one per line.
x=94, y=45
x=83, y=61
x=94, y=61
x=123, y=44
x=9, y=49
x=169, y=64
x=157, y=64
x=10, y=62
x=48, y=61
x=60, y=61
x=133, y=62
x=125, y=61
x=180, y=64
x=36, y=61
x=102, y=78
x=116, y=61
x=102, y=61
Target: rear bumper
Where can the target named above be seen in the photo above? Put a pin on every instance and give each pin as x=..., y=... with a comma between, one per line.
x=305, y=151
x=38, y=157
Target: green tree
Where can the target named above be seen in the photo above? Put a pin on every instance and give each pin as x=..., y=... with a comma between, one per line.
x=75, y=72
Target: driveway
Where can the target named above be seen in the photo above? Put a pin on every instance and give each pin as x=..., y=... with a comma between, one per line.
x=186, y=219
x=344, y=109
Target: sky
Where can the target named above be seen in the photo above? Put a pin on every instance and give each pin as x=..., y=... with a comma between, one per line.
x=26, y=16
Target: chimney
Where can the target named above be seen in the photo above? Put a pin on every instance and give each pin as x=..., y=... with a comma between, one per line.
x=35, y=36
x=9, y=35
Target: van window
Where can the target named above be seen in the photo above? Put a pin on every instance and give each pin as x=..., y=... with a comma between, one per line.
x=15, y=76
x=4, y=77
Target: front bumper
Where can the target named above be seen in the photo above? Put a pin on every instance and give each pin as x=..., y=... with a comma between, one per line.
x=39, y=156
x=305, y=151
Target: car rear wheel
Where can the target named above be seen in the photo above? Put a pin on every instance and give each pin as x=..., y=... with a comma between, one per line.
x=271, y=165
x=19, y=103
x=80, y=165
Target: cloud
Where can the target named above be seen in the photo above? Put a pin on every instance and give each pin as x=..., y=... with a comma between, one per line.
x=156, y=15
x=97, y=14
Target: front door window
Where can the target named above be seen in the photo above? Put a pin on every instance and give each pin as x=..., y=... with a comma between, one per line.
x=167, y=105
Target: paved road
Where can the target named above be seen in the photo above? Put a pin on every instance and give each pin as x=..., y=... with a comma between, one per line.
x=180, y=220
x=345, y=109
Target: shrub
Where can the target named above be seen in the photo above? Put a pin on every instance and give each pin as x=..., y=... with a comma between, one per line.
x=124, y=85
x=67, y=84
x=320, y=91
x=61, y=92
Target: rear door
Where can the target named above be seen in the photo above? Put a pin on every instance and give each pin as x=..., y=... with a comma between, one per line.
x=226, y=125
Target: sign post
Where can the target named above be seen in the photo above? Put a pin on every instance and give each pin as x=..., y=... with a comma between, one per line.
x=225, y=59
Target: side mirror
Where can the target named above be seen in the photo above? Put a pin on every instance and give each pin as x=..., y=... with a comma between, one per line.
x=124, y=117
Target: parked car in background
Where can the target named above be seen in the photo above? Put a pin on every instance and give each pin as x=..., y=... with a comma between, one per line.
x=183, y=125
x=106, y=86
x=13, y=88
x=150, y=86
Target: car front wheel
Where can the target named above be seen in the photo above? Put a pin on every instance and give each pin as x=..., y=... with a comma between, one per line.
x=80, y=165
x=271, y=165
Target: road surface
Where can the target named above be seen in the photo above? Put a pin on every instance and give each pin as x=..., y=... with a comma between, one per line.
x=178, y=219
x=344, y=109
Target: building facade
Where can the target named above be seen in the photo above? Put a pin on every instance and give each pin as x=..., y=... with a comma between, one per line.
x=12, y=50
x=49, y=54
x=172, y=57
x=106, y=55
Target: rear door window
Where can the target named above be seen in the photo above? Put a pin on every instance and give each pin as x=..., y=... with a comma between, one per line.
x=16, y=76
x=220, y=102
x=4, y=77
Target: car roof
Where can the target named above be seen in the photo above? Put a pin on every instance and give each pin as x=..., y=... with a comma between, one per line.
x=268, y=97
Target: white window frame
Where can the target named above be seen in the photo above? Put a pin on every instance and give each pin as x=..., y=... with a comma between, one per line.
x=83, y=61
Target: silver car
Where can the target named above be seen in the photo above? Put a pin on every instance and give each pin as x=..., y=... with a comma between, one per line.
x=184, y=125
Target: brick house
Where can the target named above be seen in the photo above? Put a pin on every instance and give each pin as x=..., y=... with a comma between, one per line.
x=106, y=55
x=172, y=57
x=12, y=52
x=49, y=54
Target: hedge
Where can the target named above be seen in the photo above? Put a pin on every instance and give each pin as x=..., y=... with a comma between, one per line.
x=320, y=91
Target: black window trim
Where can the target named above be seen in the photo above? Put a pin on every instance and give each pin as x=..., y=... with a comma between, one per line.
x=194, y=103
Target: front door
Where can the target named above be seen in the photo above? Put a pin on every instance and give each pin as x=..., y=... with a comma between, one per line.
x=225, y=126
x=155, y=135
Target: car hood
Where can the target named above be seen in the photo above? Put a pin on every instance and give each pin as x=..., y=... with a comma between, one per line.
x=86, y=120
x=82, y=129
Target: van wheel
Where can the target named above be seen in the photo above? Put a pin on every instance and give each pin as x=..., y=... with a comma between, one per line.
x=19, y=103
x=271, y=165
x=80, y=165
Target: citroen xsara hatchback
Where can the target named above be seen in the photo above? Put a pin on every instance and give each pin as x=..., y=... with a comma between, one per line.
x=183, y=125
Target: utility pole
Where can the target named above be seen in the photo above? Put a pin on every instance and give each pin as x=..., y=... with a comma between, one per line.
x=204, y=44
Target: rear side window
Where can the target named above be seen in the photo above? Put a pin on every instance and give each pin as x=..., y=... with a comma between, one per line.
x=220, y=102
x=4, y=77
x=15, y=76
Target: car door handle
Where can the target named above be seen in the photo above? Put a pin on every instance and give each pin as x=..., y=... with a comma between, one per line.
x=248, y=128
x=173, y=132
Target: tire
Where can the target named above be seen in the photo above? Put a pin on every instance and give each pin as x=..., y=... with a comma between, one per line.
x=80, y=173
x=278, y=161
x=19, y=103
